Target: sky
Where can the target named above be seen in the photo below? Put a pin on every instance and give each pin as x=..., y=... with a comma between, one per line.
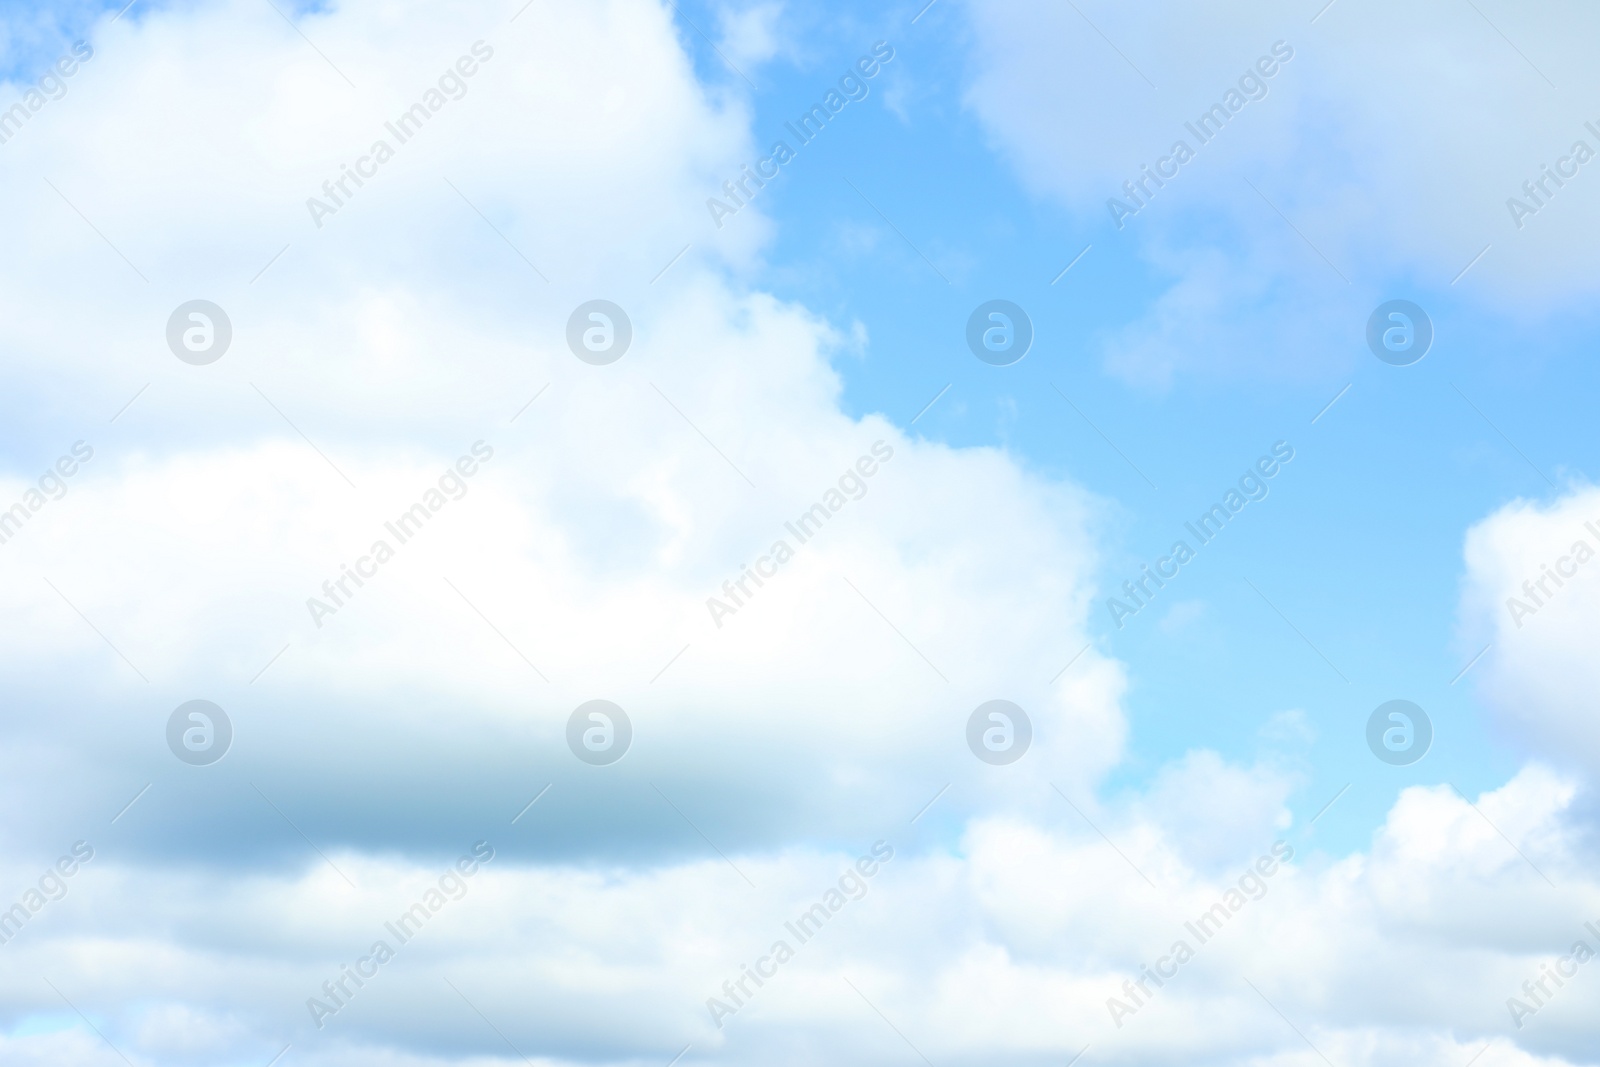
x=596, y=543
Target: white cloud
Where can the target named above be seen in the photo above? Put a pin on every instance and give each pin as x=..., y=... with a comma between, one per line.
x=1539, y=674
x=1392, y=141
x=1010, y=945
x=814, y=721
x=750, y=34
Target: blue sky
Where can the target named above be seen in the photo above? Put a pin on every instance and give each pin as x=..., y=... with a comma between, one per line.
x=773, y=747
x=1361, y=541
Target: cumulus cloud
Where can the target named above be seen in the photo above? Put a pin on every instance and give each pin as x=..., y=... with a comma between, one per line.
x=609, y=506
x=1391, y=142
x=776, y=742
x=1015, y=942
x=1530, y=597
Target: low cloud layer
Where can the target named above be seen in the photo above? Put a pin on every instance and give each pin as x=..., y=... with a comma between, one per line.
x=583, y=531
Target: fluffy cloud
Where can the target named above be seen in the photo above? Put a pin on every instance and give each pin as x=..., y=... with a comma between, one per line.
x=430, y=708
x=1392, y=141
x=578, y=561
x=1014, y=942
x=1531, y=596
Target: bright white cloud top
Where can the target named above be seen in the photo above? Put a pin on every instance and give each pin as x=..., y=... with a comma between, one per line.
x=400, y=775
